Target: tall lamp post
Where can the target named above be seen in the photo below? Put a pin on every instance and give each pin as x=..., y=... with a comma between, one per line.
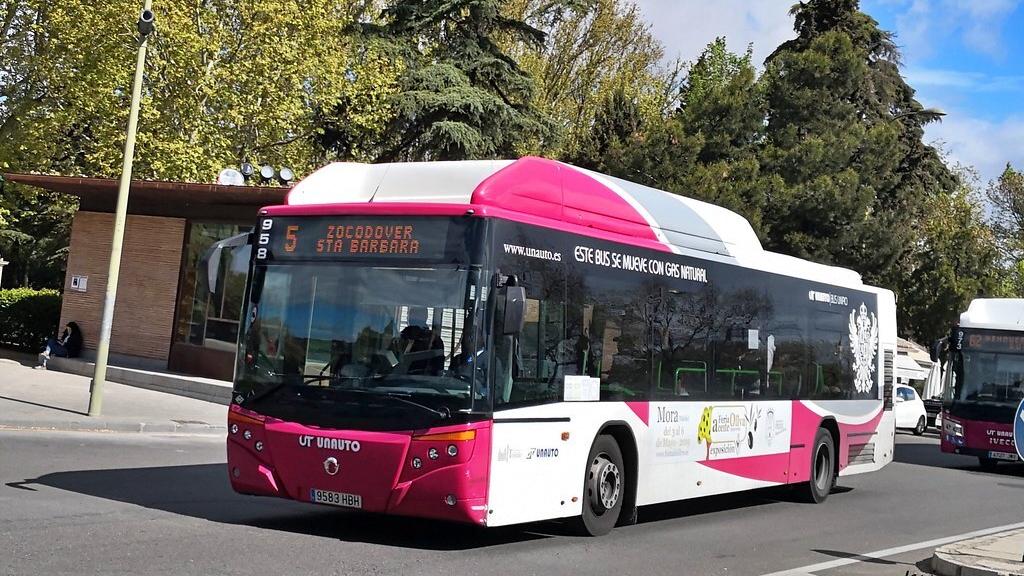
x=146, y=26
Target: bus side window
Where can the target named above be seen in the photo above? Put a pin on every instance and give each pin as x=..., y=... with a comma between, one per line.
x=610, y=333
x=828, y=377
x=541, y=354
x=680, y=324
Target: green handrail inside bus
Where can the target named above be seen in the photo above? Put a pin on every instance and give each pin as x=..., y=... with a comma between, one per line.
x=698, y=368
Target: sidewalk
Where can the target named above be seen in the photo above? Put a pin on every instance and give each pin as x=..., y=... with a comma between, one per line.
x=996, y=555
x=49, y=400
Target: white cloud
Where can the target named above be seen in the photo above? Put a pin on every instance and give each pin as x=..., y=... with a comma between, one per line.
x=962, y=80
x=925, y=26
x=986, y=145
x=686, y=27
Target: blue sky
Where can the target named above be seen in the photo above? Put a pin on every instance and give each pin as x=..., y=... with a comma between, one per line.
x=964, y=57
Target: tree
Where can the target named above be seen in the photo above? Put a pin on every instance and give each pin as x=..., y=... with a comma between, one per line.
x=35, y=237
x=704, y=148
x=844, y=123
x=1006, y=195
x=593, y=49
x=955, y=260
x=459, y=95
x=721, y=104
x=225, y=81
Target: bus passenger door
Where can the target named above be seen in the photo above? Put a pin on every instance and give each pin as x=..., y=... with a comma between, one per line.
x=535, y=460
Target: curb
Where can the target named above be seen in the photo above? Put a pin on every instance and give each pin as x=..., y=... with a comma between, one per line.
x=195, y=388
x=121, y=426
x=965, y=559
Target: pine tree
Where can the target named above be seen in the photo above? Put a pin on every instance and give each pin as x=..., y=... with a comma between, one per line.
x=845, y=136
x=460, y=95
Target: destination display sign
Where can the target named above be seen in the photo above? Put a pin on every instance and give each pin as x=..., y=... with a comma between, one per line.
x=995, y=342
x=351, y=237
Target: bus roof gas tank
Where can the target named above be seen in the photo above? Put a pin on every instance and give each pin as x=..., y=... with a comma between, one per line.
x=995, y=314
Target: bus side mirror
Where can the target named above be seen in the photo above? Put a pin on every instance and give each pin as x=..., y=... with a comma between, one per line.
x=515, y=310
x=936, y=349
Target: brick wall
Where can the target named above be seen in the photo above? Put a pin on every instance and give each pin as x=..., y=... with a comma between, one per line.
x=148, y=286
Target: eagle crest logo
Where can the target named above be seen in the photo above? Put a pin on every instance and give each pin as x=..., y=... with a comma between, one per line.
x=863, y=344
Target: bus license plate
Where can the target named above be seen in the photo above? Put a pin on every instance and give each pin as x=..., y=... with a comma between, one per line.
x=335, y=498
x=1002, y=456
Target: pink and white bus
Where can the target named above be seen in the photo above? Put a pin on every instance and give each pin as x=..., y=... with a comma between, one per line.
x=500, y=342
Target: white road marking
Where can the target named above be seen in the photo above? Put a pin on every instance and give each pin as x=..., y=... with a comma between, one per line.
x=809, y=570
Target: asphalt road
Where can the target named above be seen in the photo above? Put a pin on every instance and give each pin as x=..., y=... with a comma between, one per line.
x=143, y=504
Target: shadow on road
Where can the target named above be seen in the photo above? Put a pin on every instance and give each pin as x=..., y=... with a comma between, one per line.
x=202, y=491
x=47, y=406
x=929, y=454
x=710, y=504
x=859, y=557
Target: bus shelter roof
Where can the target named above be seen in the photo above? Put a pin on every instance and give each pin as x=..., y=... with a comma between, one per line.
x=160, y=197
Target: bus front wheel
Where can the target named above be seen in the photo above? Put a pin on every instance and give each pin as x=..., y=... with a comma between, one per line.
x=604, y=488
x=823, y=474
x=987, y=464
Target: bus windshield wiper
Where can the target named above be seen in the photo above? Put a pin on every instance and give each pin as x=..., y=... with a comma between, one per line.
x=444, y=413
x=307, y=379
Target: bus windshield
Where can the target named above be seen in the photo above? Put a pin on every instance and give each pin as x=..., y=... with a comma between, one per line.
x=362, y=346
x=987, y=368
x=982, y=376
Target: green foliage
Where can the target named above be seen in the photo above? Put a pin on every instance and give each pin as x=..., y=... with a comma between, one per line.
x=28, y=317
x=955, y=260
x=459, y=94
x=704, y=149
x=594, y=48
x=1006, y=195
x=226, y=80
x=35, y=236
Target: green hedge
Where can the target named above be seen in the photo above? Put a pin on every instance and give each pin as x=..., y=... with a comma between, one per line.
x=28, y=317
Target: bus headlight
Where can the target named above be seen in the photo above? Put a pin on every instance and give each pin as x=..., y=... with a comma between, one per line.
x=453, y=451
x=952, y=427
x=432, y=453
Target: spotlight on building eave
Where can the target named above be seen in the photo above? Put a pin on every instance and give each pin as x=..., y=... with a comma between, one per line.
x=267, y=172
x=230, y=177
x=285, y=174
x=247, y=170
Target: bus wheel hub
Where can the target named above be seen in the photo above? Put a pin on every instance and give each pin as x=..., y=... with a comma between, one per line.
x=605, y=484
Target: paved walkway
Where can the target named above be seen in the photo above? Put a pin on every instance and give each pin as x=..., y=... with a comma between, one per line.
x=995, y=555
x=50, y=400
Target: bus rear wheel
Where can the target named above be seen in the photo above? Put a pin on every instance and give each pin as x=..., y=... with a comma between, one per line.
x=823, y=474
x=604, y=488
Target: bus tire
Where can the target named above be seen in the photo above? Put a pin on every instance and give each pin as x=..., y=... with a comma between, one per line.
x=987, y=464
x=823, y=475
x=604, y=488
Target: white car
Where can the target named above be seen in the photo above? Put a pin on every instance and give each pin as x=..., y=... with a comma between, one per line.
x=909, y=409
